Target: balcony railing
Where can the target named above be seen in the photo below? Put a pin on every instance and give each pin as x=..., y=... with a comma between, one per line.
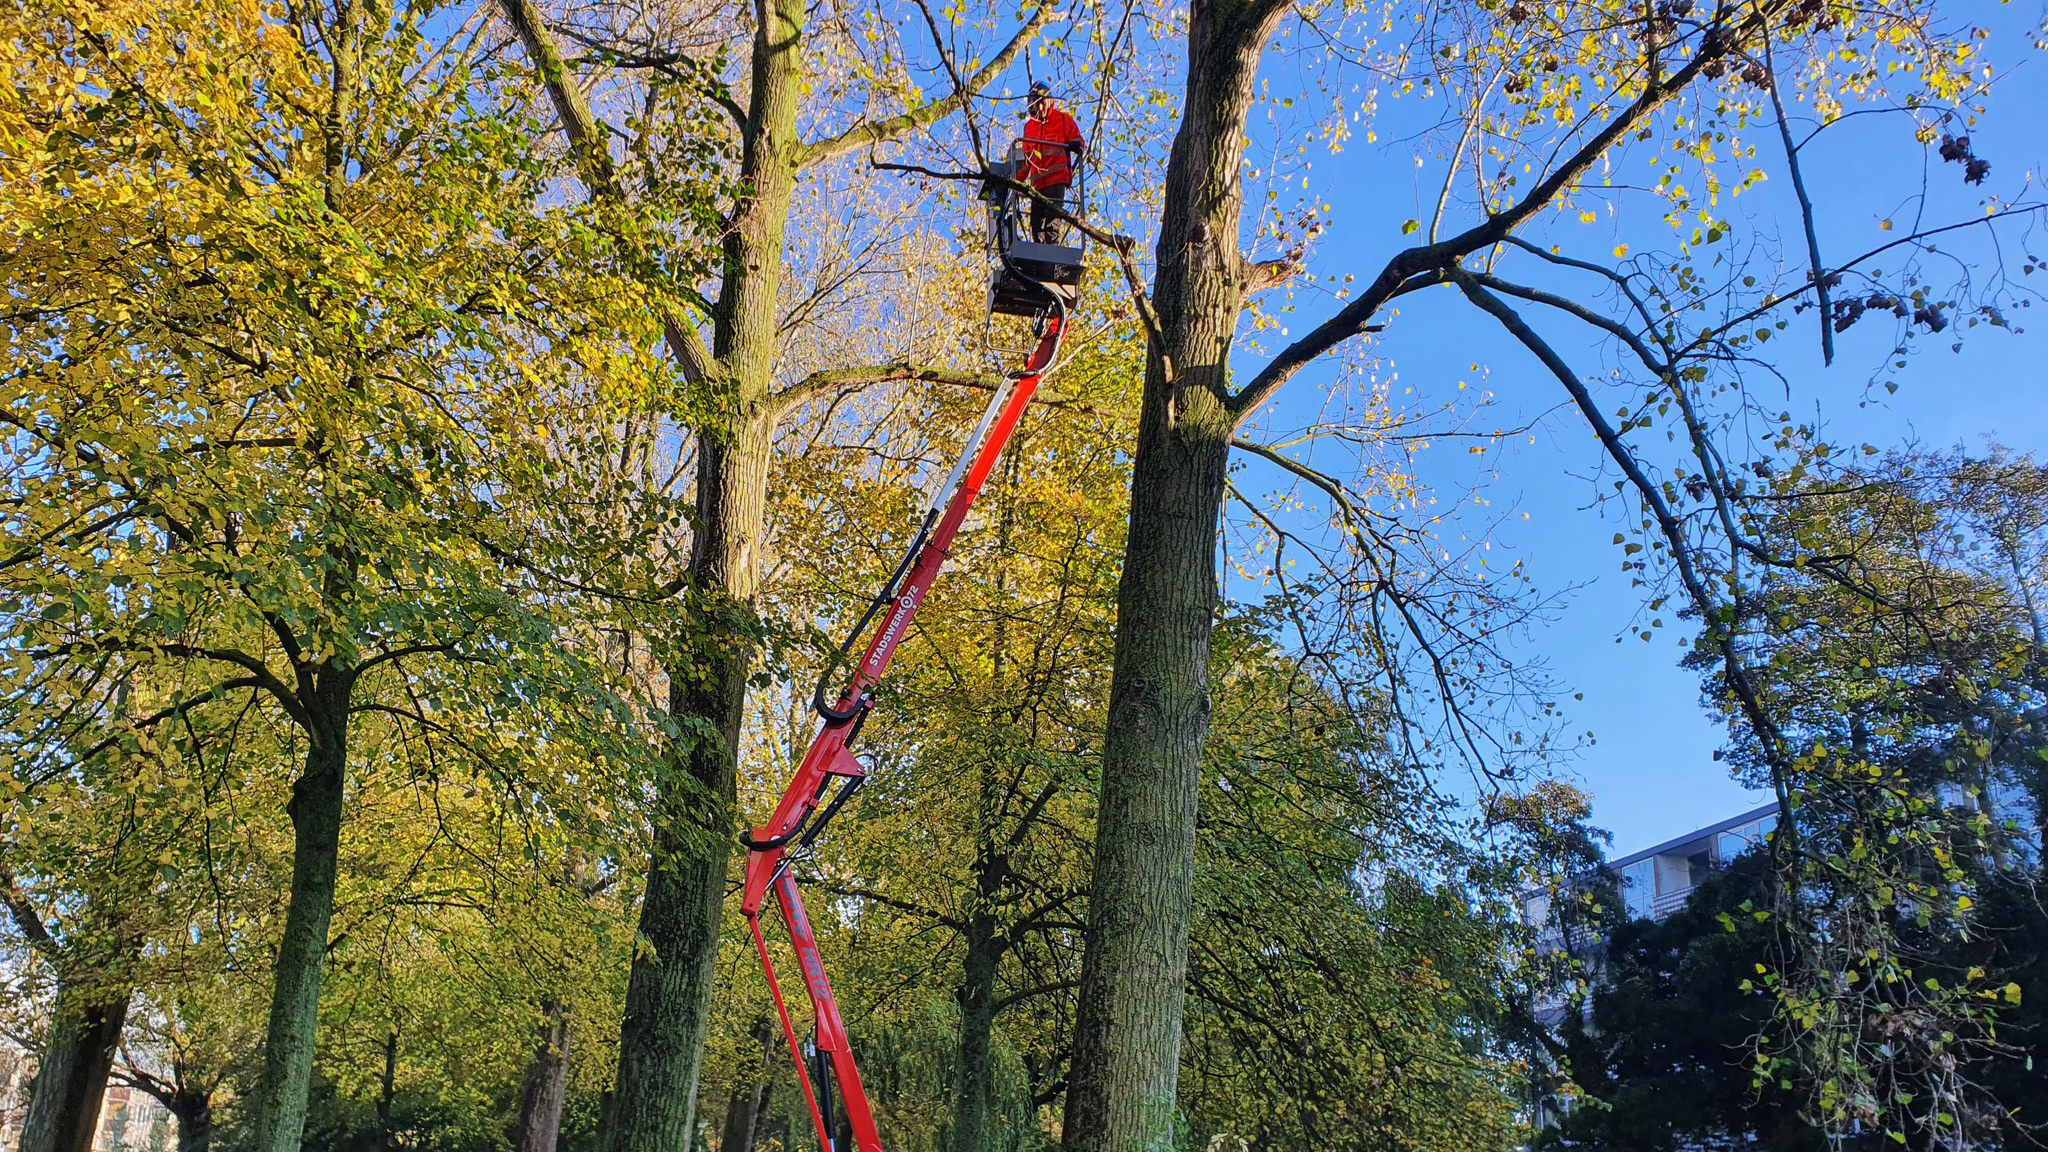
x=1668, y=902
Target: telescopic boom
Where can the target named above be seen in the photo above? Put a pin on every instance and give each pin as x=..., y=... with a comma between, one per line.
x=830, y=756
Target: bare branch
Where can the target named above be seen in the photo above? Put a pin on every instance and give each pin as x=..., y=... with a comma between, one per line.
x=662, y=62
x=875, y=131
x=1330, y=487
x=1607, y=324
x=593, y=154
x=24, y=913
x=1819, y=272
x=1667, y=522
x=1036, y=990
x=852, y=892
x=787, y=399
x=1434, y=260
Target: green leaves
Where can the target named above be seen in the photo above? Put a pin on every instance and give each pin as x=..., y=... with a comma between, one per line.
x=287, y=460
x=1886, y=653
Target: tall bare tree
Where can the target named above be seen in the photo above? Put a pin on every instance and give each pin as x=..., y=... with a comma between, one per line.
x=737, y=372
x=1605, y=73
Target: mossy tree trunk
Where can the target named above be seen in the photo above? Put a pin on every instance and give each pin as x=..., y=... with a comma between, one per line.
x=72, y=1069
x=1125, y=1070
x=974, y=1126
x=545, y=1087
x=277, y=1107
x=668, y=997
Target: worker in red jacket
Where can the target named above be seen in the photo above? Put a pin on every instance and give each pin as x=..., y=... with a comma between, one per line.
x=1052, y=143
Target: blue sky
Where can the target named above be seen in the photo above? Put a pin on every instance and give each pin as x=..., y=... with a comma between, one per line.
x=1646, y=747
x=1649, y=761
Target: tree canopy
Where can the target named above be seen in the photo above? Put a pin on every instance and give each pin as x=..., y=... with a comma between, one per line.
x=443, y=441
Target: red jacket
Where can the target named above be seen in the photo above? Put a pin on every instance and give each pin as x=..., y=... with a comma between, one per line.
x=1045, y=149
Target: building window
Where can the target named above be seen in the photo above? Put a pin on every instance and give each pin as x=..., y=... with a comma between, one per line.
x=1639, y=888
x=1735, y=841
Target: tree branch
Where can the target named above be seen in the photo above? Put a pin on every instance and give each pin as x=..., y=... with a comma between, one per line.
x=260, y=675
x=1116, y=242
x=402, y=653
x=593, y=155
x=876, y=131
x=24, y=913
x=1031, y=814
x=1330, y=487
x=586, y=137
x=1712, y=468
x=128, y=1073
x=172, y=712
x=1402, y=271
x=850, y=892
x=1820, y=273
x=1667, y=522
x=508, y=556
x=1023, y=994
x=847, y=379
x=787, y=399
x=1607, y=324
x=664, y=63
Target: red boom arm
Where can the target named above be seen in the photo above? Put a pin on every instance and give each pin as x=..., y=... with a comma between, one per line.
x=829, y=757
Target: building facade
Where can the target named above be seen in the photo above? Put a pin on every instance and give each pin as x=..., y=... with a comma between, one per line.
x=1656, y=881
x=130, y=1120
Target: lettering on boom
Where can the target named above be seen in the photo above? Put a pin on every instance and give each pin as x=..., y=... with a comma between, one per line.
x=904, y=607
x=799, y=923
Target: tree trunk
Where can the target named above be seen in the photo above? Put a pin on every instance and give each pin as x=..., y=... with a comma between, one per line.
x=743, y=1113
x=738, y=1133
x=1126, y=1062
x=72, y=1070
x=771, y=1127
x=974, y=1098
x=387, y=1091
x=194, y=1113
x=546, y=1087
x=668, y=996
x=277, y=1109
x=974, y=1095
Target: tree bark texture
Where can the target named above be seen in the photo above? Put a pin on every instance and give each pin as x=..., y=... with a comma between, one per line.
x=194, y=1112
x=72, y=1070
x=277, y=1108
x=975, y=1127
x=546, y=1085
x=668, y=997
x=1126, y=1062
x=743, y=1113
x=387, y=1092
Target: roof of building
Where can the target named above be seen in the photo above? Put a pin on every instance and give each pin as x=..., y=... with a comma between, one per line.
x=1736, y=821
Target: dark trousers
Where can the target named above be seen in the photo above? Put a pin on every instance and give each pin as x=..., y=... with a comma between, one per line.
x=1045, y=225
